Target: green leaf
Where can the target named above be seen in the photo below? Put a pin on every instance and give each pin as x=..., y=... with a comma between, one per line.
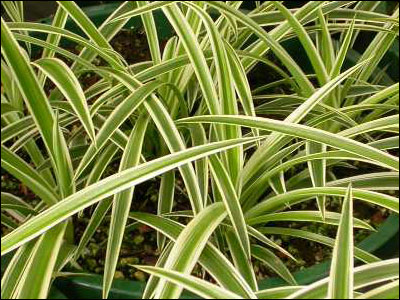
x=11, y=202
x=62, y=161
x=153, y=280
x=189, y=245
x=341, y=56
x=381, y=181
x=41, y=265
x=387, y=291
x=171, y=136
x=198, y=286
x=232, y=204
x=122, y=202
x=266, y=38
x=263, y=239
x=15, y=270
x=305, y=216
x=297, y=233
x=274, y=262
x=341, y=282
x=30, y=88
x=111, y=57
x=364, y=276
x=165, y=200
x=7, y=108
x=24, y=172
x=317, y=172
x=307, y=43
x=59, y=20
x=69, y=85
x=76, y=13
x=143, y=9
x=225, y=89
x=278, y=293
x=117, y=117
x=276, y=140
x=242, y=262
x=151, y=32
x=278, y=202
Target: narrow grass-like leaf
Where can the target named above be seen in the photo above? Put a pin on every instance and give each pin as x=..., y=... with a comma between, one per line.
x=381, y=181
x=241, y=261
x=365, y=275
x=200, y=287
x=7, y=108
x=297, y=233
x=263, y=239
x=118, y=116
x=122, y=202
x=280, y=201
x=165, y=200
x=341, y=283
x=278, y=293
x=110, y=57
x=151, y=31
x=226, y=90
x=387, y=291
x=231, y=201
x=12, y=275
x=199, y=137
x=41, y=265
x=189, y=246
x=24, y=172
x=84, y=23
x=317, y=171
x=342, y=52
x=305, y=216
x=62, y=161
x=272, y=261
x=59, y=20
x=307, y=43
x=143, y=9
x=275, y=140
x=30, y=88
x=69, y=85
x=8, y=222
x=292, y=66
x=11, y=202
x=195, y=54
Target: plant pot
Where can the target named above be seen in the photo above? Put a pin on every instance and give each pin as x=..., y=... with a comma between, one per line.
x=384, y=242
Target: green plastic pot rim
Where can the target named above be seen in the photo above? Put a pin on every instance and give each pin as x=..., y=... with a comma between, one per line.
x=123, y=289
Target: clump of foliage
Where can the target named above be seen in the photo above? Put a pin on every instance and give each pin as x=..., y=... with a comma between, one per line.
x=246, y=155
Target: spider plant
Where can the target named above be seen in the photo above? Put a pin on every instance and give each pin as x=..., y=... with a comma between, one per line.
x=247, y=155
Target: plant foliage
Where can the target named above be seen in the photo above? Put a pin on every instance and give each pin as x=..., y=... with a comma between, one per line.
x=248, y=153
